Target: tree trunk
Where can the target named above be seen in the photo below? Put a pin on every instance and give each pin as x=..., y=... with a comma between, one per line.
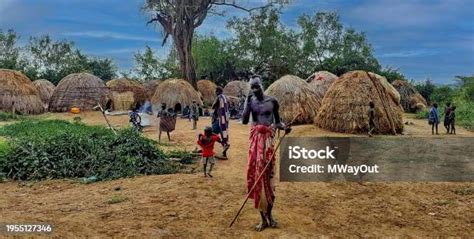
x=183, y=42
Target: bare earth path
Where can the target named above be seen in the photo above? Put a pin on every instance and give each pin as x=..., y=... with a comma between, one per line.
x=189, y=205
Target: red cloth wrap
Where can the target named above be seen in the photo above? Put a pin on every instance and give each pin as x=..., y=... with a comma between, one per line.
x=260, y=150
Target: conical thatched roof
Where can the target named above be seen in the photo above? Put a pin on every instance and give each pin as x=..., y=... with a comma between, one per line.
x=150, y=87
x=45, y=89
x=18, y=94
x=126, y=93
x=207, y=89
x=294, y=95
x=321, y=81
x=81, y=90
x=175, y=91
x=411, y=100
x=235, y=88
x=346, y=103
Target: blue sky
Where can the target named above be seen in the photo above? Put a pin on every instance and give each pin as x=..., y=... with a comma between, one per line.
x=423, y=38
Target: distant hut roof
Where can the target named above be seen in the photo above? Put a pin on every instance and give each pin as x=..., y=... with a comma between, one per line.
x=321, y=81
x=207, y=89
x=346, y=103
x=45, y=89
x=295, y=96
x=126, y=93
x=175, y=91
x=82, y=90
x=18, y=94
x=235, y=88
x=411, y=100
x=150, y=87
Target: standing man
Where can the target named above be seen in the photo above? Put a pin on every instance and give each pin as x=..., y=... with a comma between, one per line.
x=265, y=118
x=220, y=120
x=194, y=113
x=433, y=118
x=447, y=112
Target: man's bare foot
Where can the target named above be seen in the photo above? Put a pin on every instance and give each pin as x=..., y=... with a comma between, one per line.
x=209, y=175
x=273, y=223
x=205, y=175
x=262, y=225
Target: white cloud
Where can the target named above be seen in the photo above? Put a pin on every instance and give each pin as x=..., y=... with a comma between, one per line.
x=410, y=53
x=113, y=35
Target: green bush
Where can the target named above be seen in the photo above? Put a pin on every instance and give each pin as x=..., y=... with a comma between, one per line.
x=59, y=149
x=5, y=116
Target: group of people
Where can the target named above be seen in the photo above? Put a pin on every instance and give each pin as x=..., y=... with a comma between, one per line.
x=434, y=118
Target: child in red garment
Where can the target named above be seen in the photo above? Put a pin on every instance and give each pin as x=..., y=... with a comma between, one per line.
x=206, y=141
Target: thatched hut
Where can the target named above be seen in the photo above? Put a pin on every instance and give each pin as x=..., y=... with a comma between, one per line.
x=236, y=88
x=295, y=96
x=346, y=103
x=150, y=87
x=81, y=90
x=320, y=82
x=175, y=93
x=126, y=93
x=45, y=89
x=207, y=89
x=411, y=100
x=18, y=94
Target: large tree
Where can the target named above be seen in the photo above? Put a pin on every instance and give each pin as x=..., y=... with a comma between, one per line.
x=179, y=19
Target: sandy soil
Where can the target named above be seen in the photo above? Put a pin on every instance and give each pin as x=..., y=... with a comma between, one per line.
x=189, y=205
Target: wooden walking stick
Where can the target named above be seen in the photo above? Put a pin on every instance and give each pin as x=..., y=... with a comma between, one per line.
x=263, y=171
x=99, y=106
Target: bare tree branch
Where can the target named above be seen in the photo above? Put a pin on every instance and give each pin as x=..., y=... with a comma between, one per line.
x=240, y=7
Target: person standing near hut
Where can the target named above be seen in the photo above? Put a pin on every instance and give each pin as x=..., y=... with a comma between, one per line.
x=167, y=121
x=371, y=118
x=265, y=118
x=447, y=112
x=452, y=119
x=220, y=121
x=194, y=114
x=433, y=118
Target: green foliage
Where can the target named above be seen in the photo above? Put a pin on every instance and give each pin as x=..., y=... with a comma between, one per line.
x=425, y=88
x=117, y=199
x=59, y=149
x=149, y=67
x=9, y=51
x=7, y=116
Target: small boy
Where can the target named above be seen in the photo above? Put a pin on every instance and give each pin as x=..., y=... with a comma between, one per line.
x=206, y=141
x=452, y=119
x=136, y=119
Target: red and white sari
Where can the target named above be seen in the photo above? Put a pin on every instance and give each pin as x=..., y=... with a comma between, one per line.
x=260, y=150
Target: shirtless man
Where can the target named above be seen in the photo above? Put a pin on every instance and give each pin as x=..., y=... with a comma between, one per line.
x=265, y=118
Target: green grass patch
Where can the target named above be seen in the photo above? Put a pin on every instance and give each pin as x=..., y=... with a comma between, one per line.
x=464, y=191
x=116, y=199
x=6, y=116
x=46, y=149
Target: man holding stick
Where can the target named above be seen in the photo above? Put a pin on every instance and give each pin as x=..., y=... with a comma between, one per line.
x=265, y=118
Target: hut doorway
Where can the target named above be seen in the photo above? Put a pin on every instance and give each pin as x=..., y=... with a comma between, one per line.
x=177, y=108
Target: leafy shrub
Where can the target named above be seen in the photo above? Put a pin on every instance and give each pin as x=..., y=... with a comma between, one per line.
x=5, y=116
x=59, y=149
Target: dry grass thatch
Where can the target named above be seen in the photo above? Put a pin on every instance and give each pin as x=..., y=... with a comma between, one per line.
x=207, y=89
x=150, y=87
x=294, y=96
x=320, y=82
x=126, y=93
x=411, y=100
x=81, y=90
x=45, y=89
x=18, y=94
x=233, y=100
x=346, y=103
x=175, y=91
x=235, y=88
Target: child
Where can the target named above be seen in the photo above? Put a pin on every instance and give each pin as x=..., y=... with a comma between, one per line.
x=452, y=117
x=135, y=119
x=433, y=118
x=206, y=141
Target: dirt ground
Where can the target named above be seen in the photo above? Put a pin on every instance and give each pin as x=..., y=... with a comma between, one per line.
x=189, y=205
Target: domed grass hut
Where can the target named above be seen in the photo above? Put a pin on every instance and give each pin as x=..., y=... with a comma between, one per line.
x=81, y=90
x=207, y=89
x=150, y=87
x=45, y=89
x=346, y=103
x=321, y=81
x=18, y=94
x=126, y=93
x=295, y=96
x=411, y=100
x=176, y=94
x=235, y=88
